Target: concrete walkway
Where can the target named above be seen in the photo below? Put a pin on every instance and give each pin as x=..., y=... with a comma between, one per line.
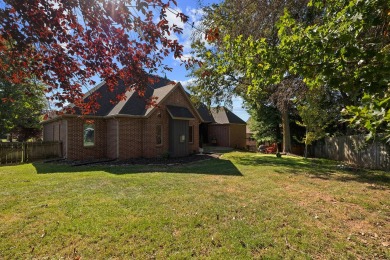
x=217, y=149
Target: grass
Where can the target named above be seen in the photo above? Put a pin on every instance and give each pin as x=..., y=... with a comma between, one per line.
x=243, y=206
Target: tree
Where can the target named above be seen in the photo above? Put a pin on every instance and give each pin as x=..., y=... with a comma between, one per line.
x=373, y=114
x=317, y=111
x=64, y=44
x=264, y=122
x=348, y=50
x=21, y=109
x=342, y=46
x=221, y=70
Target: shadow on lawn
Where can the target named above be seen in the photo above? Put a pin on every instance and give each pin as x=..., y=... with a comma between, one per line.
x=210, y=167
x=317, y=168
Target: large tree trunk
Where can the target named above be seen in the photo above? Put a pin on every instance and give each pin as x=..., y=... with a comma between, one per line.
x=286, y=132
x=306, y=144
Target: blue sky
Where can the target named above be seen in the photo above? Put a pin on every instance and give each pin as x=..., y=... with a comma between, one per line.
x=179, y=73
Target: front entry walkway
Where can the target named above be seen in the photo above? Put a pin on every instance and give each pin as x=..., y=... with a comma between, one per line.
x=216, y=149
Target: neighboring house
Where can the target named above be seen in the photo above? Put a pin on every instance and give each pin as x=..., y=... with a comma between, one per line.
x=129, y=129
x=250, y=140
x=222, y=127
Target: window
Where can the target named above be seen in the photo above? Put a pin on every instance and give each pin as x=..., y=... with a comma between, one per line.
x=182, y=138
x=158, y=134
x=190, y=134
x=89, y=134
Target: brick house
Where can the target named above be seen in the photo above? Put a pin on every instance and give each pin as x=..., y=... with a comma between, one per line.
x=222, y=127
x=251, y=143
x=129, y=129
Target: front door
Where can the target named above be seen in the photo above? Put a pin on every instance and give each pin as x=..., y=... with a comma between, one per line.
x=178, y=138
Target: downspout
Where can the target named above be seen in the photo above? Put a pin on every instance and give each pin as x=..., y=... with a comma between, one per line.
x=117, y=138
x=229, y=135
x=66, y=139
x=143, y=121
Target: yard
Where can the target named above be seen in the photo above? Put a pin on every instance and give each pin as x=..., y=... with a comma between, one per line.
x=244, y=205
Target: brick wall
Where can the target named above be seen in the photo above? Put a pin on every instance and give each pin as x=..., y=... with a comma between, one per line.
x=231, y=135
x=137, y=136
x=63, y=136
x=112, y=138
x=238, y=136
x=179, y=98
x=76, y=149
x=130, y=138
x=221, y=133
x=150, y=146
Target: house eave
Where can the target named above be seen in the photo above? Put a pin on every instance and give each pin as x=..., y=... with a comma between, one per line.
x=123, y=116
x=177, y=85
x=56, y=118
x=182, y=118
x=64, y=116
x=226, y=124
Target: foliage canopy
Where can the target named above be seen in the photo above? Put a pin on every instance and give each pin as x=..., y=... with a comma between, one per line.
x=343, y=46
x=64, y=44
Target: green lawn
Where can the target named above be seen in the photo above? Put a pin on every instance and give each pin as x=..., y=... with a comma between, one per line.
x=242, y=206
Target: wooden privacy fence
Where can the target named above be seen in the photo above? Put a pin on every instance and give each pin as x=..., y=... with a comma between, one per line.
x=353, y=150
x=29, y=151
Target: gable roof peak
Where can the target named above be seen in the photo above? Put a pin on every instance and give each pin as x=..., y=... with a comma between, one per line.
x=222, y=115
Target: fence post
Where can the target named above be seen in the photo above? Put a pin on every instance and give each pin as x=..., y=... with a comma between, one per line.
x=24, y=155
x=60, y=153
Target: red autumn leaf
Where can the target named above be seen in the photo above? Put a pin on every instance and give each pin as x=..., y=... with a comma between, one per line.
x=65, y=44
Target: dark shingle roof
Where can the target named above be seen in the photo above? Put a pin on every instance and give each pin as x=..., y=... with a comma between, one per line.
x=205, y=114
x=225, y=116
x=177, y=112
x=105, y=97
x=159, y=87
x=219, y=116
x=134, y=103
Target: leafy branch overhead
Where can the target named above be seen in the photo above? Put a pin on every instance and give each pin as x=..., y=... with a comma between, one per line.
x=340, y=46
x=64, y=44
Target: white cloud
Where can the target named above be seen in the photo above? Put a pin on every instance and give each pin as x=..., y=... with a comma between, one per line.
x=173, y=19
x=184, y=57
x=195, y=15
x=186, y=83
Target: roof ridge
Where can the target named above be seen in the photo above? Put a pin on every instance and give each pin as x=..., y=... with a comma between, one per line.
x=119, y=106
x=92, y=90
x=160, y=99
x=223, y=115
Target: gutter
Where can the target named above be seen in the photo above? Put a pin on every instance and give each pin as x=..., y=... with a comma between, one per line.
x=89, y=117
